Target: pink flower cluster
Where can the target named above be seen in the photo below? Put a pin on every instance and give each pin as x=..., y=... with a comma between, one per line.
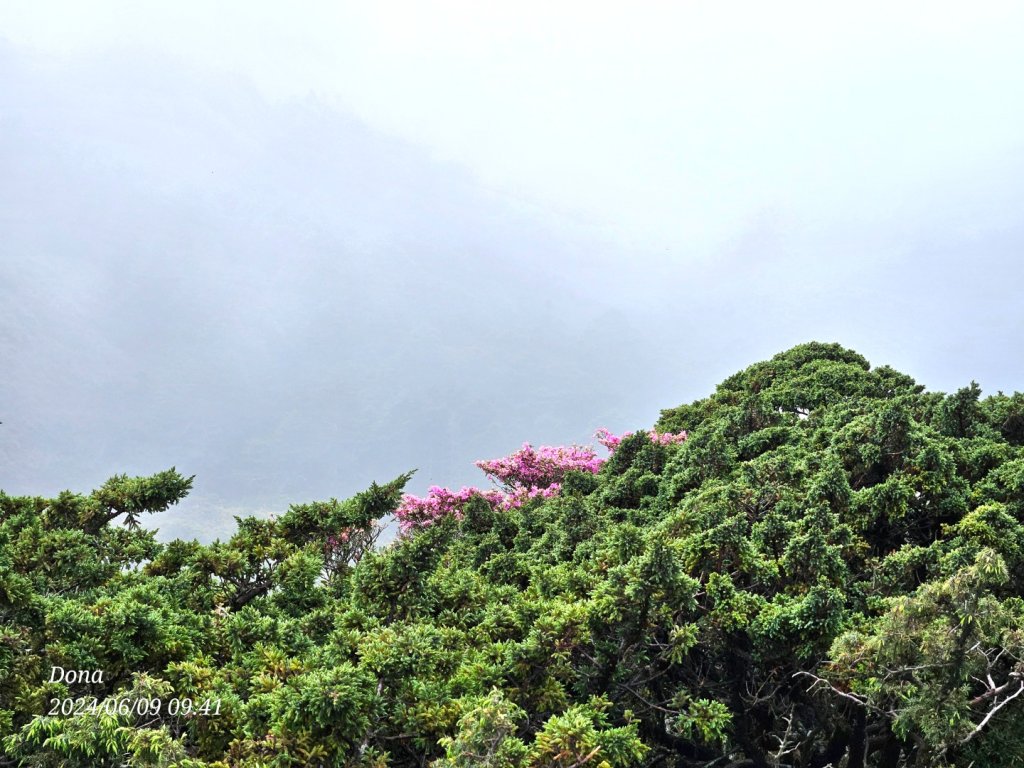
x=416, y=512
x=520, y=496
x=540, y=468
x=611, y=442
x=336, y=541
x=529, y=473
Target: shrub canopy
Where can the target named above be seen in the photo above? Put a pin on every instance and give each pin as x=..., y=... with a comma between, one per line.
x=821, y=564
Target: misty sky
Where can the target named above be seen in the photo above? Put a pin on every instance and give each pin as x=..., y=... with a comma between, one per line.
x=294, y=248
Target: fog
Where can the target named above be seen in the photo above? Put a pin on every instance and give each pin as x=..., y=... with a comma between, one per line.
x=295, y=274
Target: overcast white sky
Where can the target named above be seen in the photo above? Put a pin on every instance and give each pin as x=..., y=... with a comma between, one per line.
x=295, y=249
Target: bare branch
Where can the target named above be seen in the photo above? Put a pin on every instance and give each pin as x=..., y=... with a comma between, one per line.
x=992, y=713
x=859, y=701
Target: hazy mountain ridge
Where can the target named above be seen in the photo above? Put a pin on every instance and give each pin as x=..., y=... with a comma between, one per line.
x=192, y=270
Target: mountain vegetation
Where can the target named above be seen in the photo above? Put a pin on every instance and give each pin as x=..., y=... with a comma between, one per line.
x=820, y=564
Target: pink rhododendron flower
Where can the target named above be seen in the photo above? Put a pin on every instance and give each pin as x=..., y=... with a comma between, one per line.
x=608, y=440
x=611, y=442
x=529, y=473
x=541, y=467
x=416, y=512
x=667, y=438
x=520, y=496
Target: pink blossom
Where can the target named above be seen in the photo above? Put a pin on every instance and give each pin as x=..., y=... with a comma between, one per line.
x=611, y=442
x=416, y=512
x=608, y=440
x=541, y=467
x=520, y=496
x=529, y=473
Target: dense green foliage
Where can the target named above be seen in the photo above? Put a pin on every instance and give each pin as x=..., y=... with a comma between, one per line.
x=828, y=572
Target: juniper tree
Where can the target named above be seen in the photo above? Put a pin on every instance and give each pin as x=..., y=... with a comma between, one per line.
x=821, y=563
